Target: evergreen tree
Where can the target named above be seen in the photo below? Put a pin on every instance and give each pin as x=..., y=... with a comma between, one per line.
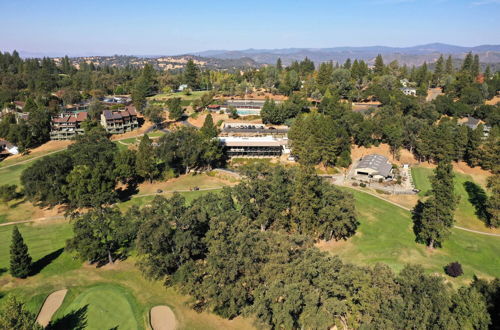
x=487, y=73
x=468, y=63
x=191, y=74
x=434, y=218
x=175, y=110
x=347, y=64
x=449, y=66
x=146, y=160
x=379, y=67
x=493, y=203
x=15, y=316
x=20, y=260
x=279, y=65
x=475, y=68
x=208, y=129
x=438, y=71
x=30, y=105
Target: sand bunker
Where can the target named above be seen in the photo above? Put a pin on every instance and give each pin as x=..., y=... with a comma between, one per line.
x=50, y=306
x=162, y=318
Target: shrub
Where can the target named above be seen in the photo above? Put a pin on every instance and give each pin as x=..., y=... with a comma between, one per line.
x=362, y=184
x=380, y=180
x=454, y=269
x=8, y=192
x=354, y=184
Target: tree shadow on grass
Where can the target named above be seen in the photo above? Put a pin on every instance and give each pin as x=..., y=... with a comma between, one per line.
x=126, y=194
x=2, y=270
x=478, y=198
x=75, y=320
x=41, y=263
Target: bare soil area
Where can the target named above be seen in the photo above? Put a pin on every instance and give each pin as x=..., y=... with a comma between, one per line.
x=493, y=101
x=383, y=149
x=145, y=126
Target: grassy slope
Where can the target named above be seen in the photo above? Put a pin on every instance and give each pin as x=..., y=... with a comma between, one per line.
x=41, y=239
x=465, y=214
x=385, y=235
x=106, y=306
x=165, y=96
x=12, y=175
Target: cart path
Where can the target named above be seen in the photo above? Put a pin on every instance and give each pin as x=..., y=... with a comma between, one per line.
x=50, y=306
x=162, y=318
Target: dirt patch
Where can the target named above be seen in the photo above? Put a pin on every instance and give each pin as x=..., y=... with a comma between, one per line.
x=479, y=175
x=140, y=131
x=50, y=306
x=493, y=101
x=383, y=149
x=43, y=149
x=216, y=116
x=162, y=318
x=408, y=201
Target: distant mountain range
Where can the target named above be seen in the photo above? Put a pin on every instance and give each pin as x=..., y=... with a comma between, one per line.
x=253, y=58
x=415, y=55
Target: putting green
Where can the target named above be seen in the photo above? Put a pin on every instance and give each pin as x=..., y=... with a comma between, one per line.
x=104, y=306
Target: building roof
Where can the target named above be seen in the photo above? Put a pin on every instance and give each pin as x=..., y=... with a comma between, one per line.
x=378, y=163
x=82, y=116
x=131, y=110
x=472, y=122
x=263, y=141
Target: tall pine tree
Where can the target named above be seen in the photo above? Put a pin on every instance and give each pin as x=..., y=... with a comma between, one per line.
x=379, y=67
x=434, y=218
x=20, y=260
x=146, y=160
x=209, y=130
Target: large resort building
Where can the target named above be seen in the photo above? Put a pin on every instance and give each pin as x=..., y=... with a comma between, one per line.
x=118, y=122
x=262, y=146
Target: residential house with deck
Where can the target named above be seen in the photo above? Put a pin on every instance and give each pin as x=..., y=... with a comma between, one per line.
x=121, y=121
x=67, y=125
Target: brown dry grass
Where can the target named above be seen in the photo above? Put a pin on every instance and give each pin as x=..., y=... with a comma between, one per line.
x=383, y=149
x=147, y=124
x=495, y=100
x=200, y=119
x=45, y=148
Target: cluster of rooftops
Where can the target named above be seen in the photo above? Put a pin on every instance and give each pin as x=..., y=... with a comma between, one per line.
x=68, y=124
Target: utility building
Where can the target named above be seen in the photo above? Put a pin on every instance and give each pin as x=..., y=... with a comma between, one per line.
x=374, y=166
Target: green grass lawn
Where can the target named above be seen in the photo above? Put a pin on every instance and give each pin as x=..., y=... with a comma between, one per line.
x=102, y=306
x=42, y=239
x=165, y=96
x=12, y=175
x=385, y=235
x=465, y=214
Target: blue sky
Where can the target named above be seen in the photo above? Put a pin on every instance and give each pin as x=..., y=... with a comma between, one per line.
x=147, y=27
